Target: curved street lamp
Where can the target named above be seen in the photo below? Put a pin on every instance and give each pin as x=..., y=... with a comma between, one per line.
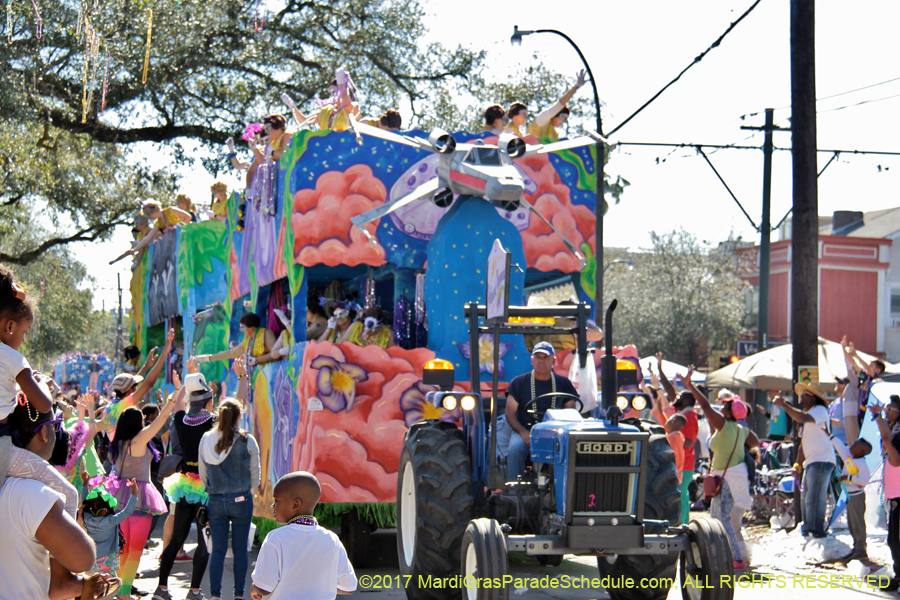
x=624, y=261
x=600, y=204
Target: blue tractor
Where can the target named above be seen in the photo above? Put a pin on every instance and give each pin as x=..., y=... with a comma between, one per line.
x=600, y=486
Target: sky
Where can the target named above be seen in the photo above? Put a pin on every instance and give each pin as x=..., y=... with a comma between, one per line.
x=634, y=49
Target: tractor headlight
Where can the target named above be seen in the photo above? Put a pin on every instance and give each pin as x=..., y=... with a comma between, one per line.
x=467, y=402
x=639, y=403
x=622, y=403
x=449, y=403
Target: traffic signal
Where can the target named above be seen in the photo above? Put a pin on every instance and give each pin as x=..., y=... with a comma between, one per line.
x=724, y=361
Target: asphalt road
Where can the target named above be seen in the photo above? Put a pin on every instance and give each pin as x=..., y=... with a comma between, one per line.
x=382, y=580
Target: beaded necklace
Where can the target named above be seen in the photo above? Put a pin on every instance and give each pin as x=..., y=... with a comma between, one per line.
x=303, y=520
x=198, y=418
x=552, y=389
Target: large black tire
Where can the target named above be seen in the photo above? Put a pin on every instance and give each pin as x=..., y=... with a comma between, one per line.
x=483, y=557
x=712, y=559
x=434, y=505
x=550, y=560
x=662, y=501
x=355, y=532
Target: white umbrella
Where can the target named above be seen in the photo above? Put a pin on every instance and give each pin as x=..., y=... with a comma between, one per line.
x=670, y=369
x=771, y=370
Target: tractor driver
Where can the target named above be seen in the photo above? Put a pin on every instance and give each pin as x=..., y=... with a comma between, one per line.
x=522, y=389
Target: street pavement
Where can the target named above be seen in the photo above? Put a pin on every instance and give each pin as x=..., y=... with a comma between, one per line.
x=783, y=567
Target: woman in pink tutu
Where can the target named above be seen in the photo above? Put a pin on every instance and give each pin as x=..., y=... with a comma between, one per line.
x=131, y=454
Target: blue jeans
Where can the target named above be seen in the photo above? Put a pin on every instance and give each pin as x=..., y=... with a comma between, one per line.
x=223, y=511
x=816, y=477
x=518, y=454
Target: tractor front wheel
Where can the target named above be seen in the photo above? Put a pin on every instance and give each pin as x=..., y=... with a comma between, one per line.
x=711, y=558
x=484, y=561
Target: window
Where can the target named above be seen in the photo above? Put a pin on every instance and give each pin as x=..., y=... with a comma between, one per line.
x=895, y=303
x=483, y=156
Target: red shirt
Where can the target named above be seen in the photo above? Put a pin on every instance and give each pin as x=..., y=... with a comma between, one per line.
x=690, y=432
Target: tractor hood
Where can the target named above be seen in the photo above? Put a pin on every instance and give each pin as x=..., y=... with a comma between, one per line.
x=550, y=438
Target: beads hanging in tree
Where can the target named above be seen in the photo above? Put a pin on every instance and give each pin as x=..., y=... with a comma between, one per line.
x=38, y=22
x=258, y=23
x=147, y=51
x=105, y=81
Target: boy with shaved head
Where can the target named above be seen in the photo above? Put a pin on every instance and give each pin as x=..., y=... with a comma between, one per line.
x=301, y=560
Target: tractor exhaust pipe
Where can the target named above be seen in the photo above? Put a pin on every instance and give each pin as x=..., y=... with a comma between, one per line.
x=608, y=384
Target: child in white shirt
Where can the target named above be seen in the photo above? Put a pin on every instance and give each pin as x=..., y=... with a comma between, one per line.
x=301, y=560
x=19, y=386
x=855, y=476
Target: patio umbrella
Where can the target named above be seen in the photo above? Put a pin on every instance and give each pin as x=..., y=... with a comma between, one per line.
x=670, y=369
x=771, y=370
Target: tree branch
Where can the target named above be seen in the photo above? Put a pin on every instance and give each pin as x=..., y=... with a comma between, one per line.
x=81, y=236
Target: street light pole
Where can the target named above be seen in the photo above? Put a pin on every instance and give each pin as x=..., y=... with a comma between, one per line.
x=600, y=203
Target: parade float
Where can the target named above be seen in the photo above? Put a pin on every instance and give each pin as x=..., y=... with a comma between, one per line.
x=341, y=410
x=79, y=372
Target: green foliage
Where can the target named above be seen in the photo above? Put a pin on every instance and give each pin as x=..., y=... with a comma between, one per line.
x=681, y=299
x=64, y=317
x=65, y=185
x=211, y=71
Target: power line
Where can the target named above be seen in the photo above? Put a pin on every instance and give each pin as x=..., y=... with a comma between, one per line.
x=865, y=87
x=735, y=147
x=738, y=202
x=696, y=60
x=858, y=103
x=858, y=89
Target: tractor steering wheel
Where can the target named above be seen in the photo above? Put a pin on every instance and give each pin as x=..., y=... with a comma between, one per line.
x=531, y=405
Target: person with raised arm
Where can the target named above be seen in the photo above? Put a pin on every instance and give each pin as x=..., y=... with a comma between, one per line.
x=682, y=404
x=131, y=451
x=727, y=445
x=546, y=122
x=817, y=451
x=856, y=394
x=258, y=341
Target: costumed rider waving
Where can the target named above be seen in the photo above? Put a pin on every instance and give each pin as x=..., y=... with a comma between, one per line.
x=525, y=388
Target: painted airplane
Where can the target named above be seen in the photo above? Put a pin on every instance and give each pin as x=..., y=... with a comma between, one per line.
x=472, y=169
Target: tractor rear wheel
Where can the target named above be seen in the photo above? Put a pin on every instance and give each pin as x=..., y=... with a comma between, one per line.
x=434, y=505
x=662, y=503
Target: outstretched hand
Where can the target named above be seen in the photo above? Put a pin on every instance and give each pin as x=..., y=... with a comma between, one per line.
x=580, y=79
x=240, y=368
x=170, y=338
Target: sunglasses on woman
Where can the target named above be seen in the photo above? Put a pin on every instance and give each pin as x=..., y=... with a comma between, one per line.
x=55, y=422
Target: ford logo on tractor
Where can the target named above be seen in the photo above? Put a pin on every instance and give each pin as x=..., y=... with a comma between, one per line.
x=604, y=447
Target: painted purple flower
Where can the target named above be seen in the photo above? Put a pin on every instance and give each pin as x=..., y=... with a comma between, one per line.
x=284, y=422
x=486, y=353
x=415, y=406
x=337, y=382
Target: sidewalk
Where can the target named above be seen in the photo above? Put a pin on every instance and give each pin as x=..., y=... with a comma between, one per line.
x=180, y=578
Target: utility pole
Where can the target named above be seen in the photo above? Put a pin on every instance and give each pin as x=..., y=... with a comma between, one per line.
x=118, y=358
x=805, y=235
x=765, y=230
